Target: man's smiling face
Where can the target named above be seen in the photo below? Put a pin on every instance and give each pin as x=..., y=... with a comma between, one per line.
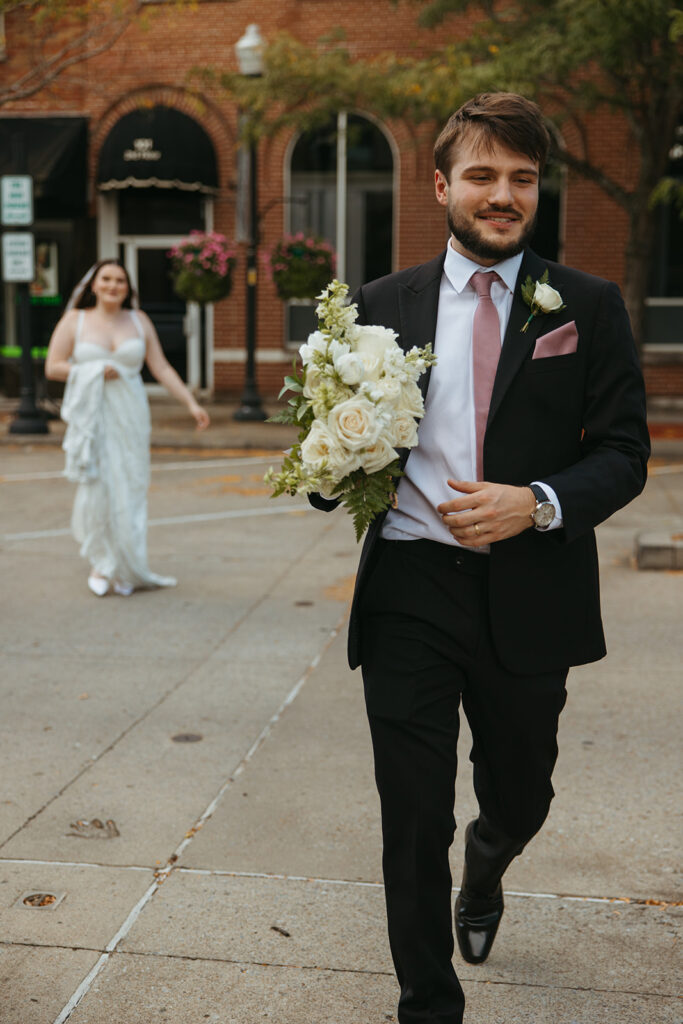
x=491, y=197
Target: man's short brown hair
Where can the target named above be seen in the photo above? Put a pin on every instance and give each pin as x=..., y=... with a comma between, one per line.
x=496, y=117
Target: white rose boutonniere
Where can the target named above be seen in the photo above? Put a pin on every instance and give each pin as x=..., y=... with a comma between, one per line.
x=540, y=297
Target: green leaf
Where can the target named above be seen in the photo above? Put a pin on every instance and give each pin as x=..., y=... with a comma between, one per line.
x=283, y=416
x=528, y=289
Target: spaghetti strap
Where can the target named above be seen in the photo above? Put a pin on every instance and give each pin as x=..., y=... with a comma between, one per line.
x=79, y=324
x=138, y=323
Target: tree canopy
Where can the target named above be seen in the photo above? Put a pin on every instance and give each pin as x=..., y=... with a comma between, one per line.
x=576, y=57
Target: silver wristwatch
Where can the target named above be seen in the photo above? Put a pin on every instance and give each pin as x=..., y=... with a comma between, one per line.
x=544, y=513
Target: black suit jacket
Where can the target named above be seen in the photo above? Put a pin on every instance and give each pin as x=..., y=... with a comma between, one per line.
x=576, y=422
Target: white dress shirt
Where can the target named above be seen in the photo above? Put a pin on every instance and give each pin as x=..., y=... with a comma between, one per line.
x=447, y=439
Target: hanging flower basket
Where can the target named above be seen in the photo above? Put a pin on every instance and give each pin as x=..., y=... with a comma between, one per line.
x=301, y=266
x=202, y=267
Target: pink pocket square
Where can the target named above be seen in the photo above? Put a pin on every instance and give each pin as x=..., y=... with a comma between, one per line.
x=560, y=342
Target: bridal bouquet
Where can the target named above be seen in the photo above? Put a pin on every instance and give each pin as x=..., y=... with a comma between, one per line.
x=356, y=400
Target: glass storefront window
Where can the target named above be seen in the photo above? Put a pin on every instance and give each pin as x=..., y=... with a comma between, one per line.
x=369, y=204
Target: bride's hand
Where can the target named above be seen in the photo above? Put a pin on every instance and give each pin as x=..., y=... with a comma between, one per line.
x=110, y=373
x=201, y=417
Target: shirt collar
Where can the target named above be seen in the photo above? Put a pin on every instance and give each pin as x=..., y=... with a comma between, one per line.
x=459, y=269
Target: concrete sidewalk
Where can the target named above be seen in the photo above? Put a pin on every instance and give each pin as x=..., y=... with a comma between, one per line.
x=188, y=772
x=172, y=428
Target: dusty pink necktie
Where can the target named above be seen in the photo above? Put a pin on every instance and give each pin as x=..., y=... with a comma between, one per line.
x=485, y=356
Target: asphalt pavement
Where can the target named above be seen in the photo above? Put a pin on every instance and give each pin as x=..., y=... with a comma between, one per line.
x=189, y=829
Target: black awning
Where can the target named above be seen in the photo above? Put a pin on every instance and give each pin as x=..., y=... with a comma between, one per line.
x=158, y=147
x=54, y=151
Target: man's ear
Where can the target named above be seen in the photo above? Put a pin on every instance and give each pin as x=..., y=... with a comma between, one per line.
x=441, y=188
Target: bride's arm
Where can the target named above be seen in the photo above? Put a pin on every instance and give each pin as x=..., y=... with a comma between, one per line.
x=161, y=370
x=57, y=364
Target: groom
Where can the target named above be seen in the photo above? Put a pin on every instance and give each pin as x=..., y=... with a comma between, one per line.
x=481, y=587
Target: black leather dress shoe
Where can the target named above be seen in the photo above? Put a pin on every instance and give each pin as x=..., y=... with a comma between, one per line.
x=476, y=923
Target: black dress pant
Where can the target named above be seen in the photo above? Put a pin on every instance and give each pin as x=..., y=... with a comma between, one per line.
x=426, y=644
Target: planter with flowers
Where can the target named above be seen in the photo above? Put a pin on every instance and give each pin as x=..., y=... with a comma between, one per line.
x=202, y=267
x=301, y=266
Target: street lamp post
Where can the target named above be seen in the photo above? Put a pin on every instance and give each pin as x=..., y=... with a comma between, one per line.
x=249, y=50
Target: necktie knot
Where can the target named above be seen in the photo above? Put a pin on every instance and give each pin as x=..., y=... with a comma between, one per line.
x=482, y=280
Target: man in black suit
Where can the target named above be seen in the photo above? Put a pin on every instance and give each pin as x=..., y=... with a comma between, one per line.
x=482, y=585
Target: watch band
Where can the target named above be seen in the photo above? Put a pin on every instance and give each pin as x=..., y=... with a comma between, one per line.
x=538, y=493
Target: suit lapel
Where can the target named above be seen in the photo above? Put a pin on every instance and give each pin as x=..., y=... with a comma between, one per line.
x=517, y=343
x=418, y=303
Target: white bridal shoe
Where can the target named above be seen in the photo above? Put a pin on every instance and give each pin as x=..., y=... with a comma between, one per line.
x=99, y=585
x=123, y=589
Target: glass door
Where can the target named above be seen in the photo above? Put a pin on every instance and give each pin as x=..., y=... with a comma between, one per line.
x=149, y=266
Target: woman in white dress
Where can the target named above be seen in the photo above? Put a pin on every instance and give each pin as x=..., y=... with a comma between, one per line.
x=98, y=348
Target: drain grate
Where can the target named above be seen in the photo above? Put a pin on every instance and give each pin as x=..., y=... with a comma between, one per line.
x=40, y=899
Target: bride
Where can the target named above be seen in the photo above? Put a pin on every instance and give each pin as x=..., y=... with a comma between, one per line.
x=98, y=348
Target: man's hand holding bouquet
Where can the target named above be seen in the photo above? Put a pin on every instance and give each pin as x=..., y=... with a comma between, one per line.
x=356, y=400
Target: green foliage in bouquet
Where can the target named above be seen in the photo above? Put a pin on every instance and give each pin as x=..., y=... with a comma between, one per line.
x=365, y=496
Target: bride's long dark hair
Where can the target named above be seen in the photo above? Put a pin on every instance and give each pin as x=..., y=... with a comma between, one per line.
x=83, y=297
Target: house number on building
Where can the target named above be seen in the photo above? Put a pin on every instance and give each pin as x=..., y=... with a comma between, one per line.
x=143, y=149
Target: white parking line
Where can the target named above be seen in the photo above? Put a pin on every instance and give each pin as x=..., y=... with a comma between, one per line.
x=157, y=467
x=199, y=517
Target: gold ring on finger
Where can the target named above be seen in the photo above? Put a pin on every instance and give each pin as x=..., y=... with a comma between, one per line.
x=476, y=529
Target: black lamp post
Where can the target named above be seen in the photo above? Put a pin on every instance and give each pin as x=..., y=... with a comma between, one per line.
x=249, y=50
x=28, y=419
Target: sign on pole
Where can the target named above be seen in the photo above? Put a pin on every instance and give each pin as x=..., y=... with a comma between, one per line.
x=18, y=257
x=16, y=193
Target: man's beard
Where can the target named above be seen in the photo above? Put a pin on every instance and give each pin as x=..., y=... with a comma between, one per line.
x=470, y=238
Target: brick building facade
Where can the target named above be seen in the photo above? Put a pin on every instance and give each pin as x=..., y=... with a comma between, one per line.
x=148, y=70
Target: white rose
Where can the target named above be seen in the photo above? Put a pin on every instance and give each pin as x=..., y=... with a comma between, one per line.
x=410, y=400
x=316, y=342
x=354, y=423
x=321, y=451
x=387, y=390
x=546, y=298
x=371, y=344
x=313, y=380
x=377, y=456
x=350, y=368
x=403, y=430
x=337, y=349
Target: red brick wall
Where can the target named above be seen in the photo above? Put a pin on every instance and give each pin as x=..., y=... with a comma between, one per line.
x=152, y=66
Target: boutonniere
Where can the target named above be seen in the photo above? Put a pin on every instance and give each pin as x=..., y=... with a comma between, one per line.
x=540, y=297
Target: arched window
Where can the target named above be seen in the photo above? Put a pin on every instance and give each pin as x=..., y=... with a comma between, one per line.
x=546, y=239
x=367, y=203
x=664, y=311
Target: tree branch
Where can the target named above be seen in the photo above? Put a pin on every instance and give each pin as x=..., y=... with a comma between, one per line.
x=44, y=73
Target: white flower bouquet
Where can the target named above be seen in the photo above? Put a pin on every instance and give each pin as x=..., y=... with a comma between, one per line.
x=356, y=400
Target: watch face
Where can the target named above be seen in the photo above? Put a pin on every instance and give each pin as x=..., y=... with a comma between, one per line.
x=544, y=514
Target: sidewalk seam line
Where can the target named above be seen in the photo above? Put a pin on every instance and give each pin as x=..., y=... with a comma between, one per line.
x=348, y=970
x=164, y=873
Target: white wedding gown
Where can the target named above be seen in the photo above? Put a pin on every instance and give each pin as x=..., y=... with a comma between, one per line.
x=107, y=453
